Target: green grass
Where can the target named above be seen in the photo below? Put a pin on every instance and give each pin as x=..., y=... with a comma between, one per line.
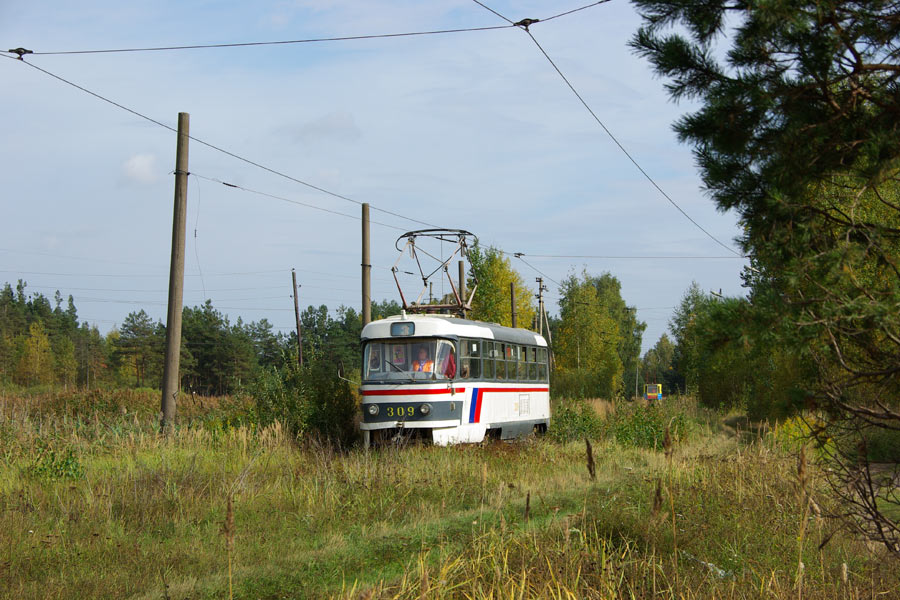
x=122, y=512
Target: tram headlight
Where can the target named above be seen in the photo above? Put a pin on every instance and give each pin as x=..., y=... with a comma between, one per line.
x=425, y=408
x=373, y=409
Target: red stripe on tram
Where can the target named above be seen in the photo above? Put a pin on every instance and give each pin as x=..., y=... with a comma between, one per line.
x=408, y=392
x=478, y=406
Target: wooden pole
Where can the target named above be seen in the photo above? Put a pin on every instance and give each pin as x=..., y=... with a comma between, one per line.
x=540, y=283
x=366, y=268
x=462, y=285
x=637, y=366
x=171, y=380
x=297, y=316
x=512, y=302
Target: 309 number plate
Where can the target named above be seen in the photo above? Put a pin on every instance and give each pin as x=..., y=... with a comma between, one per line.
x=399, y=411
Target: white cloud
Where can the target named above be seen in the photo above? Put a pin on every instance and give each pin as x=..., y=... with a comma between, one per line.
x=142, y=169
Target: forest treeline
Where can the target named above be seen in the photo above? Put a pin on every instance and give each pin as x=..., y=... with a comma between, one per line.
x=42, y=342
x=596, y=338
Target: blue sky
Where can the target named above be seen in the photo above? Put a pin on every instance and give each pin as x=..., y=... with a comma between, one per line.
x=470, y=130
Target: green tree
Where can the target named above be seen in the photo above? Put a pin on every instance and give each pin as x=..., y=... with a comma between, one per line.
x=222, y=356
x=385, y=308
x=493, y=272
x=797, y=131
x=65, y=364
x=140, y=345
x=35, y=363
x=658, y=365
x=587, y=341
x=686, y=329
x=609, y=291
x=91, y=356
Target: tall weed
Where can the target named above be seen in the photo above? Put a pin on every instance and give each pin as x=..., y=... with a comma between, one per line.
x=311, y=399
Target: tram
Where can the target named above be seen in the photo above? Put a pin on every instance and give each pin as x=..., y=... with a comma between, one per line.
x=653, y=391
x=451, y=380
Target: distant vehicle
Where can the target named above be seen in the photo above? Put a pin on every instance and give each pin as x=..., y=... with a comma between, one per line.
x=653, y=391
x=452, y=380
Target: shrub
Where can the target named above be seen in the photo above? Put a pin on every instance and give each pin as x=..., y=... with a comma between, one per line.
x=307, y=400
x=48, y=464
x=645, y=426
x=574, y=420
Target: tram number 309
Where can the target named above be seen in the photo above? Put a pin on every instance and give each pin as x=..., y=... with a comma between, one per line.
x=400, y=411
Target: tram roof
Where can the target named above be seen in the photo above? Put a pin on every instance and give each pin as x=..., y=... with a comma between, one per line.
x=449, y=326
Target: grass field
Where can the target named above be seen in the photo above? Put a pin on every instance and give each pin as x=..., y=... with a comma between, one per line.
x=94, y=504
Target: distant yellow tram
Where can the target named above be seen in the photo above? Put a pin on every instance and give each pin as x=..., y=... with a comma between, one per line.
x=653, y=391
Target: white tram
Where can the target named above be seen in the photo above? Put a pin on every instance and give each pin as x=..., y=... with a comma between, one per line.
x=452, y=380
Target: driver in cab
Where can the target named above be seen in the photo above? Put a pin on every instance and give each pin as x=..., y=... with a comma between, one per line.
x=422, y=363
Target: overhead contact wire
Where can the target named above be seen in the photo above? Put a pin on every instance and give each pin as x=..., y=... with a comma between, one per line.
x=345, y=38
x=218, y=148
x=625, y=152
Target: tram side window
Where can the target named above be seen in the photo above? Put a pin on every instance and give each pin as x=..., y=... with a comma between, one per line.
x=532, y=363
x=542, y=364
x=470, y=361
x=500, y=360
x=487, y=353
x=523, y=368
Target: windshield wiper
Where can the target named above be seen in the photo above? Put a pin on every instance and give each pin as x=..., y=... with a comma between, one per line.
x=399, y=370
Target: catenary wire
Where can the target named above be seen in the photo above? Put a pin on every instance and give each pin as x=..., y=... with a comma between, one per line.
x=574, y=10
x=323, y=190
x=634, y=161
x=219, y=148
x=488, y=8
x=69, y=256
x=620, y=257
x=541, y=273
x=282, y=198
x=275, y=42
x=628, y=154
x=389, y=212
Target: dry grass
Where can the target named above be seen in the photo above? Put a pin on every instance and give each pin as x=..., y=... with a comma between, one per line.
x=216, y=510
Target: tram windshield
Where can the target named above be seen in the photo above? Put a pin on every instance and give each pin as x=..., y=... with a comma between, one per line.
x=409, y=360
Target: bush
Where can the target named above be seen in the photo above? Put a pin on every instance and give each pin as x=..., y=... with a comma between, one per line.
x=307, y=400
x=577, y=384
x=574, y=420
x=50, y=465
x=645, y=426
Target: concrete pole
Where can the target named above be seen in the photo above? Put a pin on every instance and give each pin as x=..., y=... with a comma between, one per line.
x=171, y=380
x=637, y=367
x=297, y=316
x=512, y=302
x=366, y=268
x=540, y=283
x=462, y=285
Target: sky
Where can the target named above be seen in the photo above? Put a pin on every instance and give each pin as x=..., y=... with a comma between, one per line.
x=471, y=130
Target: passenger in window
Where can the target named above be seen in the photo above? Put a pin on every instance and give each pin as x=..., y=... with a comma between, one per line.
x=374, y=360
x=422, y=363
x=448, y=367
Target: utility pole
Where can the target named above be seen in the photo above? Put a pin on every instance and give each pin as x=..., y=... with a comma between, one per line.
x=366, y=268
x=637, y=367
x=171, y=379
x=512, y=302
x=540, y=296
x=462, y=285
x=296, y=289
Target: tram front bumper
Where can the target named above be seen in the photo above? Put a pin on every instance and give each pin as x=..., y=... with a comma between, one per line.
x=418, y=414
